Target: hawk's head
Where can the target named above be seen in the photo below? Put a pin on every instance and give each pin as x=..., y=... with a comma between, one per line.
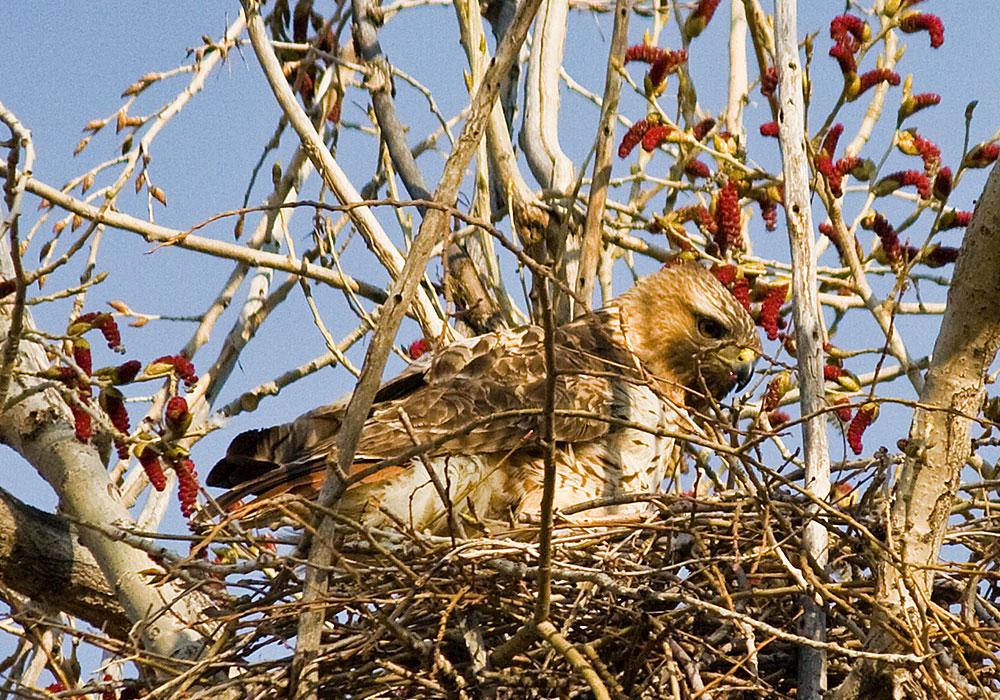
x=690, y=332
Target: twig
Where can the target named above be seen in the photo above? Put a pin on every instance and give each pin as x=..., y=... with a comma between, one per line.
x=593, y=226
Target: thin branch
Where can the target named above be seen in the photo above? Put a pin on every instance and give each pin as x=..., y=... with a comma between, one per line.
x=604, y=153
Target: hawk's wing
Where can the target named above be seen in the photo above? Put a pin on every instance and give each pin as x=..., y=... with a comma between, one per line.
x=476, y=396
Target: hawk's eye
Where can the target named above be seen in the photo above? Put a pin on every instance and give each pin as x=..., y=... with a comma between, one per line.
x=711, y=328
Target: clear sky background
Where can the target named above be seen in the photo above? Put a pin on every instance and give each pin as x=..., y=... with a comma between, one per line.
x=66, y=63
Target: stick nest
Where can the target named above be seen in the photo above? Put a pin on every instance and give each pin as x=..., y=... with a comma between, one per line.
x=696, y=599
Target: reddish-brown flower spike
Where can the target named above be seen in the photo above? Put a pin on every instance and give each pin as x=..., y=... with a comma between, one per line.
x=777, y=419
x=982, y=155
x=655, y=136
x=769, y=82
x=845, y=57
x=954, y=219
x=126, y=372
x=921, y=21
x=109, y=329
x=179, y=363
x=664, y=65
x=187, y=486
x=725, y=273
x=831, y=139
x=940, y=255
x=942, y=184
x=81, y=355
x=768, y=212
x=643, y=52
x=741, y=290
x=775, y=391
x=700, y=17
x=151, y=464
x=695, y=169
x=702, y=128
x=887, y=236
x=113, y=403
x=914, y=103
x=903, y=178
x=842, y=408
x=874, y=77
x=846, y=27
x=176, y=416
x=729, y=233
x=698, y=214
x=770, y=307
x=769, y=129
x=832, y=373
x=81, y=421
x=417, y=348
x=633, y=136
x=865, y=416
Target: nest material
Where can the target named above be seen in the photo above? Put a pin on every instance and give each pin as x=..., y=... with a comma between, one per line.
x=702, y=599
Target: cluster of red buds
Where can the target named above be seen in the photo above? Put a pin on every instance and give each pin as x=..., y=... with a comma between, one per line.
x=164, y=451
x=849, y=33
x=768, y=209
x=982, y=155
x=178, y=365
x=834, y=172
x=770, y=309
x=728, y=221
x=662, y=62
x=904, y=178
x=702, y=128
x=924, y=22
x=110, y=398
x=417, y=348
x=942, y=184
x=650, y=132
x=913, y=144
x=954, y=219
x=863, y=418
x=769, y=81
x=776, y=389
x=895, y=254
x=699, y=18
x=696, y=169
x=914, y=103
x=750, y=289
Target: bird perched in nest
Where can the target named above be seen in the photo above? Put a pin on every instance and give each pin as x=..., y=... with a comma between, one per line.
x=626, y=377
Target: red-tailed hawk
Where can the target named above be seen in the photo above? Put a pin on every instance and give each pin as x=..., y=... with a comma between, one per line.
x=625, y=376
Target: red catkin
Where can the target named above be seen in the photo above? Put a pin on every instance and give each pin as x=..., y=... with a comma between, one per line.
x=864, y=417
x=914, y=103
x=845, y=57
x=769, y=82
x=633, y=136
x=654, y=136
x=873, y=77
x=696, y=169
x=769, y=129
x=151, y=464
x=729, y=233
x=921, y=21
x=187, y=486
x=702, y=128
x=770, y=307
x=417, y=348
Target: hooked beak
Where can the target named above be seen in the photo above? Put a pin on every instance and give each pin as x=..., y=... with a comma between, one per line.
x=743, y=370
